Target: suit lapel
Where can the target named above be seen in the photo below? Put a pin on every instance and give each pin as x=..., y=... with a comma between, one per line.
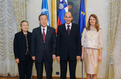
x=40, y=34
x=22, y=35
x=28, y=37
x=64, y=30
x=72, y=28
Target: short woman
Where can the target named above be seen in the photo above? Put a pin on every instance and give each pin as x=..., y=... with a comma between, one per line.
x=22, y=44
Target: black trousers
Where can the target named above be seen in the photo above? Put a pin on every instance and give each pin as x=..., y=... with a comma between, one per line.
x=72, y=68
x=48, y=68
x=25, y=68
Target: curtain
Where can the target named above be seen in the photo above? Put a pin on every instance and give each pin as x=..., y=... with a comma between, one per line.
x=7, y=30
x=20, y=11
x=117, y=55
x=114, y=20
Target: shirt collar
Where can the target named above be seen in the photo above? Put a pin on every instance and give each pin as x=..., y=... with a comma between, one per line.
x=23, y=32
x=93, y=29
x=68, y=24
x=44, y=28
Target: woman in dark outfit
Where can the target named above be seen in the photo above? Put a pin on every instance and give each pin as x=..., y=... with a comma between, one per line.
x=22, y=44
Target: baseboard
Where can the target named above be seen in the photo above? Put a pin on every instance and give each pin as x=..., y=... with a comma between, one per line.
x=35, y=77
x=44, y=77
x=9, y=77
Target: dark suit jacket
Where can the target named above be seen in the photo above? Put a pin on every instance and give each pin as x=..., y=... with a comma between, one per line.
x=20, y=45
x=68, y=45
x=38, y=46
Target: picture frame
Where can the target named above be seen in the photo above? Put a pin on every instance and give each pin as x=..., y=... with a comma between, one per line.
x=74, y=8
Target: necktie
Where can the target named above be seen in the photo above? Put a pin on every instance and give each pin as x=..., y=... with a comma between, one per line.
x=68, y=29
x=43, y=34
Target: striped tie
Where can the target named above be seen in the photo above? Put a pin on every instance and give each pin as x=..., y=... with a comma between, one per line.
x=43, y=34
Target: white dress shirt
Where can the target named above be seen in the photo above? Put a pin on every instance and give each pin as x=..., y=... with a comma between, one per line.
x=44, y=30
x=92, y=38
x=66, y=25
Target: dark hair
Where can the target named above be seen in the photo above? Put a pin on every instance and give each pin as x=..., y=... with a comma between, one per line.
x=71, y=3
x=23, y=21
x=42, y=15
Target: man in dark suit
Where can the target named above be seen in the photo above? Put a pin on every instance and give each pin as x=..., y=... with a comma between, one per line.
x=43, y=47
x=68, y=46
x=22, y=50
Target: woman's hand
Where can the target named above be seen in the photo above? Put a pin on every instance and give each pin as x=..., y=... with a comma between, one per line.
x=100, y=55
x=99, y=58
x=17, y=60
x=82, y=56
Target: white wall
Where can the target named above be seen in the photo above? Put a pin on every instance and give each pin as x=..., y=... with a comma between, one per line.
x=34, y=10
x=98, y=7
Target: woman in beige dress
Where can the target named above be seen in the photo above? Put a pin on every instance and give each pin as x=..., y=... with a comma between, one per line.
x=92, y=47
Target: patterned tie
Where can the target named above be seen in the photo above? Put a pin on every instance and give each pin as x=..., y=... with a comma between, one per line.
x=43, y=34
x=27, y=50
x=68, y=29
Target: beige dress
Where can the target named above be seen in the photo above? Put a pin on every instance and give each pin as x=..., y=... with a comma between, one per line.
x=92, y=42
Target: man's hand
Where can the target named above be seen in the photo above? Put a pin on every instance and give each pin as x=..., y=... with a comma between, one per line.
x=17, y=60
x=33, y=57
x=78, y=57
x=54, y=56
x=58, y=58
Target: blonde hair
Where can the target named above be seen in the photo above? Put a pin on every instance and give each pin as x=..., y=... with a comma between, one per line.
x=96, y=24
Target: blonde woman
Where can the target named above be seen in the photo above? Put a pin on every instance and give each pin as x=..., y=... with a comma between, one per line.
x=92, y=44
